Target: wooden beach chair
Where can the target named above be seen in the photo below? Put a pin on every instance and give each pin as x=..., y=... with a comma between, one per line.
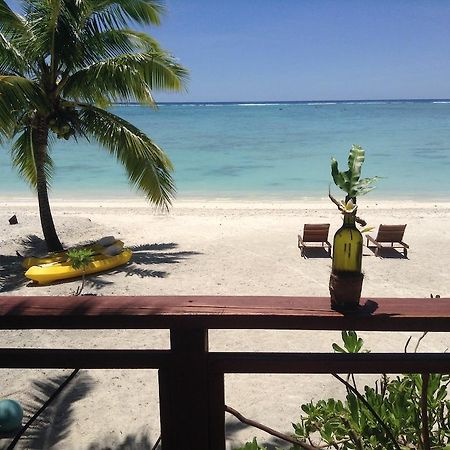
x=313, y=234
x=389, y=234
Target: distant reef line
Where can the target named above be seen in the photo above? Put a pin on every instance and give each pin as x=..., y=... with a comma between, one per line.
x=297, y=102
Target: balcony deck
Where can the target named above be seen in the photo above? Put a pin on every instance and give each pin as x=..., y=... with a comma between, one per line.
x=191, y=378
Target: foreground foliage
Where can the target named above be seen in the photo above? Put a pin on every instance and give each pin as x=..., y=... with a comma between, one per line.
x=61, y=63
x=411, y=411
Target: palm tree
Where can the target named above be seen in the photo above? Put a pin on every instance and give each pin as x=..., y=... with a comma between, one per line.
x=61, y=64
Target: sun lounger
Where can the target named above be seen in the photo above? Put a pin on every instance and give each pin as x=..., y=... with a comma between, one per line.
x=313, y=234
x=389, y=234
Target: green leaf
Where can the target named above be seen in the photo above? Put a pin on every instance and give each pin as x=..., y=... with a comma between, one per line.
x=340, y=178
x=251, y=446
x=349, y=181
x=355, y=161
x=338, y=349
x=80, y=258
x=352, y=342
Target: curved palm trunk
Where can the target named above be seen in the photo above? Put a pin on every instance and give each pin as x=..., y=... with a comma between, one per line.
x=40, y=142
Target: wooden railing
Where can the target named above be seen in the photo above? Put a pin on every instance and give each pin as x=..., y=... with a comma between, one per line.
x=191, y=379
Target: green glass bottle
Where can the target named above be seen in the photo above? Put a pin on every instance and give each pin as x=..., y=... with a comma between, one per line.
x=347, y=247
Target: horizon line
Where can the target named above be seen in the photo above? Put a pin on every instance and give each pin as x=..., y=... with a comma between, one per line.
x=193, y=102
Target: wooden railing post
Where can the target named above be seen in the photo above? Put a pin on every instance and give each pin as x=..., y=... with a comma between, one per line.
x=216, y=410
x=185, y=386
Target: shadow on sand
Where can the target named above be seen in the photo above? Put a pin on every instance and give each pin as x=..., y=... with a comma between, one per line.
x=11, y=271
x=52, y=427
x=316, y=252
x=33, y=245
x=153, y=255
x=388, y=253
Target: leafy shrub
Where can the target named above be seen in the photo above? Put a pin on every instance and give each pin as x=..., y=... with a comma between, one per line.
x=406, y=412
x=251, y=446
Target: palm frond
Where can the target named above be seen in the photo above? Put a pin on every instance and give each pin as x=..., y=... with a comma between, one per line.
x=12, y=27
x=18, y=94
x=103, y=83
x=142, y=11
x=11, y=61
x=143, y=41
x=39, y=17
x=127, y=77
x=162, y=71
x=94, y=46
x=9, y=20
x=23, y=158
x=56, y=29
x=116, y=13
x=148, y=167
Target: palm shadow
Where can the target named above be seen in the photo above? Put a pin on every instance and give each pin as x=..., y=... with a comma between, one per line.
x=33, y=245
x=53, y=424
x=146, y=255
x=52, y=427
x=11, y=270
x=11, y=273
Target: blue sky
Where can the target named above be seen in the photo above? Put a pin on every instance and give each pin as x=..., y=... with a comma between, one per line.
x=310, y=49
x=257, y=50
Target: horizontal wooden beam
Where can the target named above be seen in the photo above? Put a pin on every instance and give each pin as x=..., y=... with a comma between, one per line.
x=229, y=362
x=34, y=358
x=330, y=362
x=216, y=312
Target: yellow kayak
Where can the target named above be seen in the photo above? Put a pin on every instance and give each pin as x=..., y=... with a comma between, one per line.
x=97, y=248
x=47, y=273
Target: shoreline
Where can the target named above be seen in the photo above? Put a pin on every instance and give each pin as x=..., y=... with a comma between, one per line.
x=224, y=202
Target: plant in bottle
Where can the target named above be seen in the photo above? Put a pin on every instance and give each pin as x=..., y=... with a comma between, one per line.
x=346, y=275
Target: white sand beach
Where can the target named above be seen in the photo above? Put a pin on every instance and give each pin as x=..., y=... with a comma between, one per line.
x=207, y=247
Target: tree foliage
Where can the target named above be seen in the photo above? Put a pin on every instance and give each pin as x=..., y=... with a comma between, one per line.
x=61, y=63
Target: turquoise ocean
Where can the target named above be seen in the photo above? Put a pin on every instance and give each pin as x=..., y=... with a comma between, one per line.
x=266, y=150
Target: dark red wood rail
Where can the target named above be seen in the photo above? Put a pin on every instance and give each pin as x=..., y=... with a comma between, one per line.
x=191, y=378
x=293, y=313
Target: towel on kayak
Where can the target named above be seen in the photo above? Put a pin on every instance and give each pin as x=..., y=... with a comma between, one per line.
x=113, y=250
x=106, y=241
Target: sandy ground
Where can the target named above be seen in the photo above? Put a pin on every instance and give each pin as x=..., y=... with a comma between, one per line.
x=216, y=247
